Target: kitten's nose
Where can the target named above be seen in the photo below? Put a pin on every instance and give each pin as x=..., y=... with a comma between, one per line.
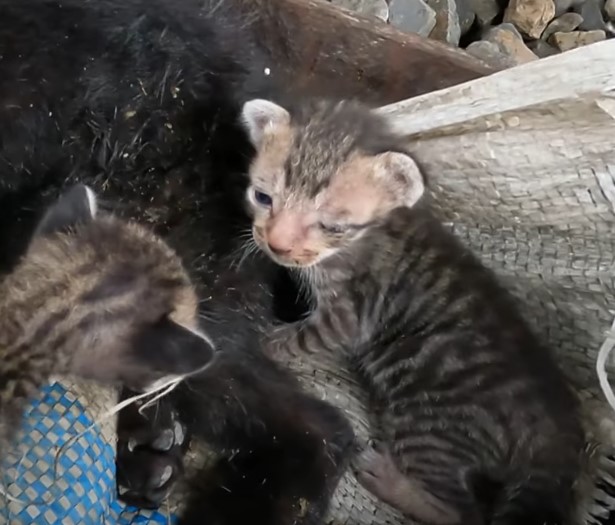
x=282, y=232
x=278, y=250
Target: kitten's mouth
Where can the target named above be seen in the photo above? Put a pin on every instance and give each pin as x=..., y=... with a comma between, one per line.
x=291, y=263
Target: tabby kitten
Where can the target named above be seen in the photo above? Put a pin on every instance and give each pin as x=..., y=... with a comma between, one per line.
x=479, y=423
x=95, y=297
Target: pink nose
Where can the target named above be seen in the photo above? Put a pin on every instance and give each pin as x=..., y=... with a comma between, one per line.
x=278, y=250
x=282, y=232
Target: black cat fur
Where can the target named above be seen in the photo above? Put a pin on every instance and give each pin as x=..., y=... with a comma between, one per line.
x=140, y=99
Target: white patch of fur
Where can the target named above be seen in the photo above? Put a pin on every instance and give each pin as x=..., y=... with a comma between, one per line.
x=92, y=201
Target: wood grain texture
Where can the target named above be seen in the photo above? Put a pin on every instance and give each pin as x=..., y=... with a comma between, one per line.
x=319, y=48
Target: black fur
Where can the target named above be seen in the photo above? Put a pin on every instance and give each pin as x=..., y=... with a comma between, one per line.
x=140, y=99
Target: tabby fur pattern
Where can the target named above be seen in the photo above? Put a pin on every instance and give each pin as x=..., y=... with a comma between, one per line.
x=479, y=423
x=98, y=298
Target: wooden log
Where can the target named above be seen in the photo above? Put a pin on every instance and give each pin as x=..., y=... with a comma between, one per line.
x=322, y=49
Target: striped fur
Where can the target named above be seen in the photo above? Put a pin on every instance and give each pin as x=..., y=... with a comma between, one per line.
x=95, y=297
x=479, y=423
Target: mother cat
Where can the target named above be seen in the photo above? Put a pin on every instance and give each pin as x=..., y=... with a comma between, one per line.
x=140, y=99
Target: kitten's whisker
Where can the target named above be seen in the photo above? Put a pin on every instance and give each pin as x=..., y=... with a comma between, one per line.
x=250, y=250
x=242, y=252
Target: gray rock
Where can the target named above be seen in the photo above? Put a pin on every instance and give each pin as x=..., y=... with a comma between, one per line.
x=492, y=31
x=609, y=9
x=591, y=11
x=562, y=6
x=490, y=54
x=414, y=16
x=447, y=28
x=486, y=10
x=377, y=8
x=563, y=24
x=541, y=49
x=466, y=15
x=510, y=42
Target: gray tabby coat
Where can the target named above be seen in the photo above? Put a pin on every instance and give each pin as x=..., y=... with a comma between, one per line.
x=479, y=423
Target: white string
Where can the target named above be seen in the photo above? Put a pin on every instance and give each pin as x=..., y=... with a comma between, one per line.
x=601, y=361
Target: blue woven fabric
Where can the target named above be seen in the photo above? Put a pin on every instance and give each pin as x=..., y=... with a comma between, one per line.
x=82, y=489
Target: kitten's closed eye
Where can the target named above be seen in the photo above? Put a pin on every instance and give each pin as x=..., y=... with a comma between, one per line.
x=333, y=228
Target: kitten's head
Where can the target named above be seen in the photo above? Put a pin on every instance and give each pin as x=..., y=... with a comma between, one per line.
x=322, y=175
x=120, y=300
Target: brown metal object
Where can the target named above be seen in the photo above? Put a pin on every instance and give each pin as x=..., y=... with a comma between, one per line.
x=322, y=49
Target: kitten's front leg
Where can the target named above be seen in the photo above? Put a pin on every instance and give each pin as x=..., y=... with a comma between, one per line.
x=322, y=333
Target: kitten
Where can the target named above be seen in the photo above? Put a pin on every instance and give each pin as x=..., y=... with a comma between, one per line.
x=479, y=423
x=95, y=297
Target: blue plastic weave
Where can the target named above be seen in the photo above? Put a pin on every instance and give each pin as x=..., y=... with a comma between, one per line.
x=83, y=491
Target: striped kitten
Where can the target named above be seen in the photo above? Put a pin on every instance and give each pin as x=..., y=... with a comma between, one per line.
x=95, y=297
x=479, y=423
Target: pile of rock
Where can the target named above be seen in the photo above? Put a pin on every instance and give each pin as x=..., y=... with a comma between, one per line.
x=502, y=33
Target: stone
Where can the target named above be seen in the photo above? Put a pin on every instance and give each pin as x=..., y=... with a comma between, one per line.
x=609, y=9
x=414, y=16
x=563, y=24
x=591, y=11
x=562, y=6
x=490, y=54
x=510, y=43
x=542, y=49
x=486, y=10
x=567, y=41
x=530, y=16
x=447, y=28
x=377, y=8
x=466, y=15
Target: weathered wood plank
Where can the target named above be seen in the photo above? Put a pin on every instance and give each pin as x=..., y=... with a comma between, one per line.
x=584, y=72
x=320, y=48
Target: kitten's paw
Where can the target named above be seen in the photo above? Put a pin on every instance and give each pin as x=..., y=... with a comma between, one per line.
x=377, y=472
x=150, y=450
x=145, y=478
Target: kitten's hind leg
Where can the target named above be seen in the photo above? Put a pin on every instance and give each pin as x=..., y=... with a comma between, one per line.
x=376, y=470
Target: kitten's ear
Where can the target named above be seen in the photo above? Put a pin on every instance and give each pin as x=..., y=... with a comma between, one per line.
x=404, y=173
x=257, y=114
x=75, y=206
x=172, y=349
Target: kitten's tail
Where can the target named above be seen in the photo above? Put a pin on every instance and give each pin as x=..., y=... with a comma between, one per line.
x=540, y=498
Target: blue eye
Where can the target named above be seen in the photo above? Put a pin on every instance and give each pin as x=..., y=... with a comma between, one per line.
x=262, y=198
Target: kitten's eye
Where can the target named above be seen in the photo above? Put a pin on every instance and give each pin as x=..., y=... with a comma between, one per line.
x=262, y=198
x=332, y=228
